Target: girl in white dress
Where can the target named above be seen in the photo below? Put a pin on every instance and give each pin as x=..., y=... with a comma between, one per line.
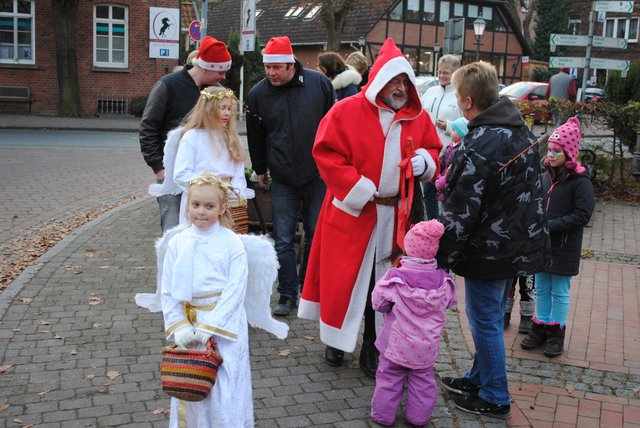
x=209, y=143
x=203, y=286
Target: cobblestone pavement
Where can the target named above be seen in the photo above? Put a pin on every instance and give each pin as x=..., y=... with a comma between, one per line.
x=76, y=351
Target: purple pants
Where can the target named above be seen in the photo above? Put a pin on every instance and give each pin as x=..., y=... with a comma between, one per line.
x=422, y=393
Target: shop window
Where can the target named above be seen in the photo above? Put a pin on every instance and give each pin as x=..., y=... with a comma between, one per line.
x=17, y=32
x=111, y=36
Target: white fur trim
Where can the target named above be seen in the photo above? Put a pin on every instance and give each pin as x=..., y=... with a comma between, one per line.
x=346, y=78
x=212, y=66
x=277, y=58
x=308, y=310
x=431, y=165
x=358, y=196
x=388, y=71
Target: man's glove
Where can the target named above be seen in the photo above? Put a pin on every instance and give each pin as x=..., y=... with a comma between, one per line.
x=184, y=337
x=201, y=337
x=419, y=165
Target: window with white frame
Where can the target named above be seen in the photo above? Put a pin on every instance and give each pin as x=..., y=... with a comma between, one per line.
x=111, y=36
x=17, y=32
x=622, y=28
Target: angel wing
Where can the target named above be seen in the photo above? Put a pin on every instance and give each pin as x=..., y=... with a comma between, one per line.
x=263, y=271
x=149, y=300
x=168, y=186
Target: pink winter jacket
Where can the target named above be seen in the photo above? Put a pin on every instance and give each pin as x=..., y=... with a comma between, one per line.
x=413, y=299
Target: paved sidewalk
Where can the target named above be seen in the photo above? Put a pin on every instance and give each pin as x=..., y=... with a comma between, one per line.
x=75, y=350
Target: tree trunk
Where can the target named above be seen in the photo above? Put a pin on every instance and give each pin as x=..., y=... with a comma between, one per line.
x=334, y=16
x=526, y=23
x=64, y=12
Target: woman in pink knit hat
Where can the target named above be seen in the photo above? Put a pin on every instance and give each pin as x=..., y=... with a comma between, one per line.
x=413, y=298
x=569, y=203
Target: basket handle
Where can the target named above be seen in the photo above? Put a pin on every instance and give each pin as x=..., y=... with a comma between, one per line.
x=212, y=345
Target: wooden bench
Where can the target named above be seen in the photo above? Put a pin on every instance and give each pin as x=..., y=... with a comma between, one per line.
x=16, y=94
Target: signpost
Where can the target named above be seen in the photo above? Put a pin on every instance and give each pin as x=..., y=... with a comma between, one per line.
x=602, y=63
x=614, y=6
x=609, y=42
x=598, y=41
x=164, y=33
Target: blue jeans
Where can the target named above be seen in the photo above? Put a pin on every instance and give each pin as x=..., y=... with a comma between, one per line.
x=485, y=300
x=286, y=203
x=552, y=293
x=430, y=200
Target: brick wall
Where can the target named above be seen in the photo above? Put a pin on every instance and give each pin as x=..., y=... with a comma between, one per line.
x=138, y=79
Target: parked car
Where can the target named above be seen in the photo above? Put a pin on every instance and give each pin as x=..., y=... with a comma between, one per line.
x=592, y=95
x=425, y=82
x=530, y=94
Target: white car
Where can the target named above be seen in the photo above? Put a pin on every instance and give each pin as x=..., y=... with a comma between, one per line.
x=425, y=82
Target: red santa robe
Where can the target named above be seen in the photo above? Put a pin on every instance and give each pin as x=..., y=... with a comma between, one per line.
x=357, y=150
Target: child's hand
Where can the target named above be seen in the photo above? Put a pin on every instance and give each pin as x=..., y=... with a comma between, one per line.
x=184, y=337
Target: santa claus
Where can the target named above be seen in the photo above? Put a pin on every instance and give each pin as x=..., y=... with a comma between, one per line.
x=361, y=147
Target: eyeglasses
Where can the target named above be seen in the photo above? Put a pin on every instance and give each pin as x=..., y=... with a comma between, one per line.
x=444, y=73
x=398, y=82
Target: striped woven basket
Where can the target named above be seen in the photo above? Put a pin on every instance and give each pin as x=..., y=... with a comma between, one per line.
x=189, y=374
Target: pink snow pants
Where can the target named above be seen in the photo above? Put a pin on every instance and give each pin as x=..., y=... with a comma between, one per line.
x=422, y=393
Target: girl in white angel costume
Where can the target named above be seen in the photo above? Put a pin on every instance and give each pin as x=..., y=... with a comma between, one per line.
x=208, y=141
x=212, y=282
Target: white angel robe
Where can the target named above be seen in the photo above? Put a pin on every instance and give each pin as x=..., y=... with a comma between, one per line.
x=208, y=269
x=196, y=155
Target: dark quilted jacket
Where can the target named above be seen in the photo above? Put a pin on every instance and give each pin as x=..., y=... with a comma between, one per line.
x=495, y=222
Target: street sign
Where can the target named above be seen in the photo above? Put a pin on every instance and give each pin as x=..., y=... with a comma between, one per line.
x=194, y=30
x=609, y=42
x=601, y=63
x=248, y=24
x=613, y=6
x=566, y=40
x=611, y=64
x=164, y=32
x=566, y=62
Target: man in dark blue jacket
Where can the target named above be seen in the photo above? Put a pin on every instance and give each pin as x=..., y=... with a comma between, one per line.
x=285, y=109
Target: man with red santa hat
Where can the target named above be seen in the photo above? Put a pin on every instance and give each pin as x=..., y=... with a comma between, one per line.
x=365, y=148
x=171, y=98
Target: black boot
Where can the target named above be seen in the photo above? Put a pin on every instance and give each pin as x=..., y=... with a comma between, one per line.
x=525, y=324
x=369, y=359
x=536, y=336
x=507, y=319
x=333, y=356
x=555, y=340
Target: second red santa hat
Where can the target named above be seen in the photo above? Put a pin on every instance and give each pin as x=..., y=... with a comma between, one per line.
x=278, y=50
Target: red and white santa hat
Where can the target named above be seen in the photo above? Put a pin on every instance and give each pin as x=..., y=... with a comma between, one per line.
x=213, y=55
x=278, y=50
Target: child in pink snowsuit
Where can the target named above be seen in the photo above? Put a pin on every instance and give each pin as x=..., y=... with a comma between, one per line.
x=413, y=299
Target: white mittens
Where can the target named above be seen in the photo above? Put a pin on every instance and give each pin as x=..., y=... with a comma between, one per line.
x=201, y=337
x=419, y=165
x=184, y=337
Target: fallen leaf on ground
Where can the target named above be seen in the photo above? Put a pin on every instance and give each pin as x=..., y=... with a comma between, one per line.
x=57, y=336
x=5, y=367
x=139, y=268
x=94, y=300
x=308, y=337
x=18, y=421
x=284, y=353
x=104, y=267
x=89, y=377
x=569, y=388
x=160, y=411
x=96, y=325
x=73, y=352
x=26, y=300
x=89, y=252
x=112, y=374
x=42, y=394
x=4, y=406
x=45, y=322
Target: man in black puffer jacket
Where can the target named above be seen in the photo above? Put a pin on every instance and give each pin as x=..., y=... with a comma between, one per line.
x=495, y=228
x=285, y=109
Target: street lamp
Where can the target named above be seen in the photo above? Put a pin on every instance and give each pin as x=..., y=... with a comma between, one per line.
x=361, y=41
x=478, y=28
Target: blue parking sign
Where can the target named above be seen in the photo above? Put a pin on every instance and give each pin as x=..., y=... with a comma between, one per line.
x=164, y=52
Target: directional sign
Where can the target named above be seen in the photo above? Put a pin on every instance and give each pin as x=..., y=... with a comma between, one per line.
x=601, y=63
x=611, y=64
x=568, y=40
x=613, y=6
x=566, y=62
x=609, y=42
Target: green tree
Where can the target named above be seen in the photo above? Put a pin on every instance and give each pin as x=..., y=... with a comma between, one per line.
x=64, y=12
x=552, y=17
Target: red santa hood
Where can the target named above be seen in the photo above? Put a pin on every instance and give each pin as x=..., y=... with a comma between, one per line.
x=390, y=63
